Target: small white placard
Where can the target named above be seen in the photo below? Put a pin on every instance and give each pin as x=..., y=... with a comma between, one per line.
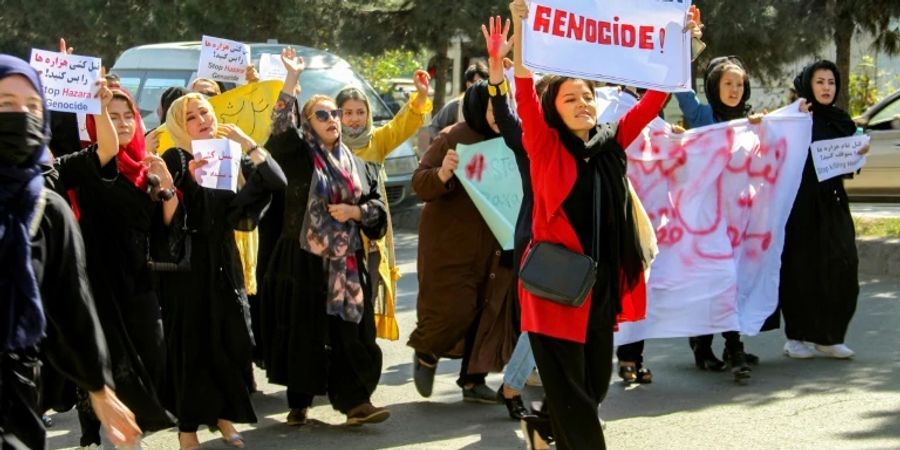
x=223, y=60
x=836, y=157
x=224, y=163
x=271, y=67
x=70, y=81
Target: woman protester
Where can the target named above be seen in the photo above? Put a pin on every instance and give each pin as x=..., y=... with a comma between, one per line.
x=727, y=87
x=124, y=201
x=819, y=285
x=570, y=155
x=464, y=307
x=318, y=316
x=374, y=145
x=521, y=362
x=205, y=309
x=48, y=306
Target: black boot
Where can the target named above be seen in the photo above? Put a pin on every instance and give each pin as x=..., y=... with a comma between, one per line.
x=704, y=358
x=738, y=360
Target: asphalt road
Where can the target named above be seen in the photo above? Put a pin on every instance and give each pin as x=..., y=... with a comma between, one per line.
x=788, y=404
x=875, y=210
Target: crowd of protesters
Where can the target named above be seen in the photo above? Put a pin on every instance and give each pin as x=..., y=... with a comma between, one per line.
x=125, y=284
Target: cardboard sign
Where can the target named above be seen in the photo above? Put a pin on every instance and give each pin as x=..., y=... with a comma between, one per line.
x=489, y=174
x=836, y=157
x=70, y=81
x=644, y=39
x=224, y=156
x=223, y=60
x=271, y=67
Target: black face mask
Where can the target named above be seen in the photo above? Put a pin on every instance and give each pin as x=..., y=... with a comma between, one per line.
x=21, y=136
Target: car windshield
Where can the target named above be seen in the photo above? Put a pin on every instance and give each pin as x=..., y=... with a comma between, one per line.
x=887, y=114
x=148, y=85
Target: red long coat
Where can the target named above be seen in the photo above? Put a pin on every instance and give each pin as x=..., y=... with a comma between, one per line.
x=553, y=173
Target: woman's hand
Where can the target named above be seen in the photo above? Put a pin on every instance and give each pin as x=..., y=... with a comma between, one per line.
x=105, y=95
x=694, y=22
x=804, y=105
x=863, y=150
x=295, y=65
x=156, y=166
x=448, y=166
x=342, y=213
x=151, y=141
x=63, y=48
x=519, y=9
x=194, y=165
x=756, y=119
x=420, y=78
x=236, y=134
x=117, y=419
x=251, y=74
x=498, y=46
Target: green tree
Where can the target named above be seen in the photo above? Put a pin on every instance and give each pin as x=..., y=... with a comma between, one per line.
x=378, y=69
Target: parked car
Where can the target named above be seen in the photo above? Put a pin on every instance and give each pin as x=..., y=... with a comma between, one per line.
x=148, y=70
x=880, y=178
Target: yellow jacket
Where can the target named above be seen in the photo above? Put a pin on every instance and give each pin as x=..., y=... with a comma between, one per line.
x=384, y=140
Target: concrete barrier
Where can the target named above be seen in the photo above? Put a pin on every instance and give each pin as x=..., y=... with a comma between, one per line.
x=879, y=256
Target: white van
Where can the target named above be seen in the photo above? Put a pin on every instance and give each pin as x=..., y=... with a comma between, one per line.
x=148, y=70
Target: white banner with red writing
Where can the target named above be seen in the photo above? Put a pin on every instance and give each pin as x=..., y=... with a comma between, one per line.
x=719, y=197
x=635, y=43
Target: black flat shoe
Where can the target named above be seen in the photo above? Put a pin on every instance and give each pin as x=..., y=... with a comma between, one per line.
x=423, y=377
x=740, y=366
x=514, y=406
x=631, y=372
x=480, y=393
x=752, y=359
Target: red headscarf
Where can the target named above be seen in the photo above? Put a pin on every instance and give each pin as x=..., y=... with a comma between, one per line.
x=130, y=156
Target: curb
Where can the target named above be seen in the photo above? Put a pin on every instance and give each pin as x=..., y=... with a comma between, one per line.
x=879, y=256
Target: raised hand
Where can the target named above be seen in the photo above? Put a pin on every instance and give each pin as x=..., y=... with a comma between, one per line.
x=63, y=49
x=694, y=22
x=495, y=38
x=236, y=134
x=420, y=78
x=251, y=74
x=448, y=166
x=294, y=64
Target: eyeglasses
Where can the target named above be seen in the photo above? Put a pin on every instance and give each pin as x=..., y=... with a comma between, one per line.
x=323, y=115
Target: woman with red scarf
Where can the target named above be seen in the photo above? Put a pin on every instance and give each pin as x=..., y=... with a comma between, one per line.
x=109, y=184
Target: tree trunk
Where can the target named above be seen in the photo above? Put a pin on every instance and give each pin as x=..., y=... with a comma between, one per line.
x=843, y=37
x=441, y=65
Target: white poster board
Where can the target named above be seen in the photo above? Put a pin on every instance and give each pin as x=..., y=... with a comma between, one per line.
x=271, y=67
x=836, y=157
x=70, y=81
x=223, y=60
x=223, y=166
x=638, y=43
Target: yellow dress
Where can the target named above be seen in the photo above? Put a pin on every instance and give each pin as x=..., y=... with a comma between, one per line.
x=384, y=140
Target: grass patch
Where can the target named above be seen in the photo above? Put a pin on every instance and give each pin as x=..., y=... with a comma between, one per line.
x=877, y=227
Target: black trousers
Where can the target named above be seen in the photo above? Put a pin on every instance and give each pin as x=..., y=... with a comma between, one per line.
x=576, y=379
x=732, y=340
x=21, y=427
x=633, y=352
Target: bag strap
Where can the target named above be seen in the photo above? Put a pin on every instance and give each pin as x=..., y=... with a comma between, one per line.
x=595, y=230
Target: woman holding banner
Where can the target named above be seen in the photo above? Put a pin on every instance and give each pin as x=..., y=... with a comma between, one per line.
x=120, y=195
x=464, y=306
x=577, y=162
x=374, y=145
x=206, y=367
x=318, y=316
x=727, y=87
x=819, y=285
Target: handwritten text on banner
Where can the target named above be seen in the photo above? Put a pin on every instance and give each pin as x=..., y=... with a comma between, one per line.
x=223, y=158
x=70, y=81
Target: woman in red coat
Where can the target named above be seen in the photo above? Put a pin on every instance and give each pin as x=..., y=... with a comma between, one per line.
x=573, y=345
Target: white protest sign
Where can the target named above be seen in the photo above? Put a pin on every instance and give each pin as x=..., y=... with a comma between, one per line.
x=836, y=157
x=271, y=67
x=223, y=166
x=223, y=60
x=638, y=43
x=70, y=81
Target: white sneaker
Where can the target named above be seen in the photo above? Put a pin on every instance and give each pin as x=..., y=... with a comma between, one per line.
x=797, y=349
x=839, y=351
x=534, y=379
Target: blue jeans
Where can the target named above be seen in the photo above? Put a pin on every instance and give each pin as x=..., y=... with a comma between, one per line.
x=520, y=365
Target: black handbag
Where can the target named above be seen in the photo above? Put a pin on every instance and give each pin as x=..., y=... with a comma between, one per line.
x=553, y=272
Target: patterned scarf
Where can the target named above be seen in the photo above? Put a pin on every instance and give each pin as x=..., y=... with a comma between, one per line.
x=335, y=181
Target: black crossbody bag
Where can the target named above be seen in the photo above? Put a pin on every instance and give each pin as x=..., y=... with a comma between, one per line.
x=553, y=272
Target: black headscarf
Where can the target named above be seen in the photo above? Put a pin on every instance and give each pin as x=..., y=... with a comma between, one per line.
x=475, y=104
x=618, y=234
x=168, y=97
x=22, y=320
x=711, y=78
x=829, y=121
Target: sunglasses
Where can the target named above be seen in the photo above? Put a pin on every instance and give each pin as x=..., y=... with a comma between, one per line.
x=323, y=115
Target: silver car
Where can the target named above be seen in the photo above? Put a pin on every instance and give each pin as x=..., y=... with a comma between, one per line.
x=880, y=177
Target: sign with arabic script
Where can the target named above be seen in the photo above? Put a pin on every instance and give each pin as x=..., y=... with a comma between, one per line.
x=70, y=81
x=836, y=157
x=223, y=161
x=223, y=60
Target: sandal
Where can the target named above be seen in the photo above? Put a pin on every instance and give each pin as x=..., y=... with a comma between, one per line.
x=235, y=440
x=631, y=372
